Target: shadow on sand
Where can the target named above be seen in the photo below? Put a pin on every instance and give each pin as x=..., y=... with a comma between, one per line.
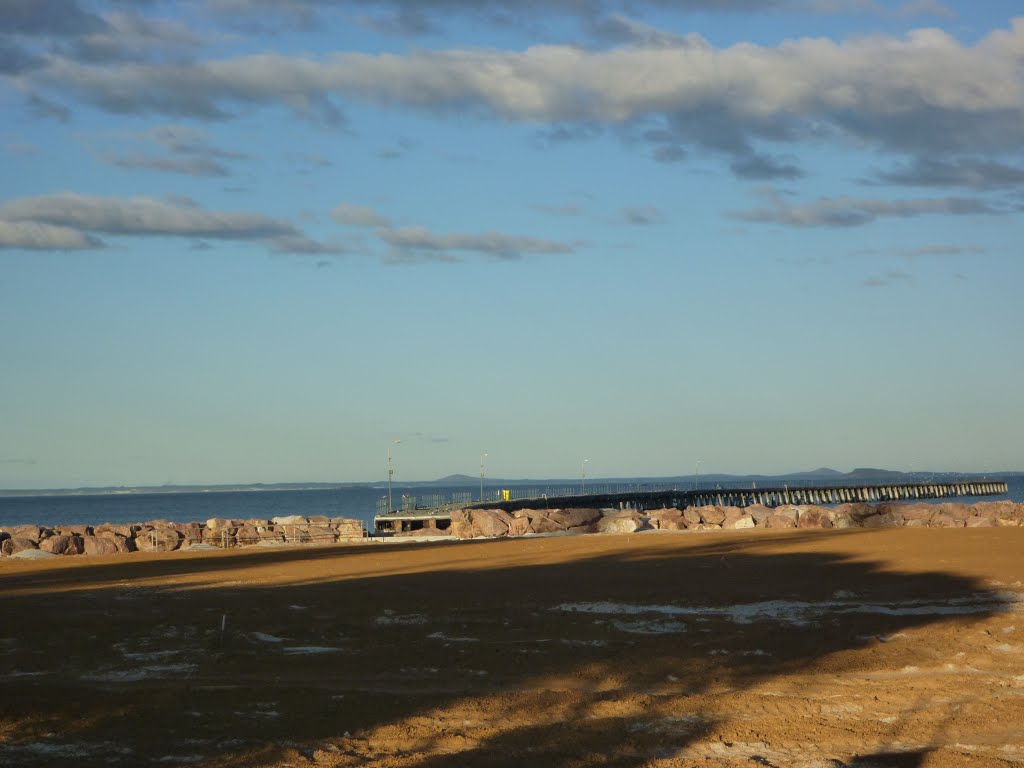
x=491, y=653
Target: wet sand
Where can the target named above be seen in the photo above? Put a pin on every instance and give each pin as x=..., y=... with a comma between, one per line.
x=900, y=647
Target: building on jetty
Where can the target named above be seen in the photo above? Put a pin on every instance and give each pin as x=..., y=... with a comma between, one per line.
x=439, y=517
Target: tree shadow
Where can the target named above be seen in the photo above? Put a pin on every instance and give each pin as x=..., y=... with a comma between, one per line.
x=614, y=651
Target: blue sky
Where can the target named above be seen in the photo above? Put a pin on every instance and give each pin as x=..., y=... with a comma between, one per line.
x=257, y=241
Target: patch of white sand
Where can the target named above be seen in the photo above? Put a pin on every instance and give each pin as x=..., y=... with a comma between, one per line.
x=139, y=673
x=263, y=637
x=33, y=554
x=148, y=655
x=451, y=638
x=650, y=627
x=804, y=612
x=390, y=618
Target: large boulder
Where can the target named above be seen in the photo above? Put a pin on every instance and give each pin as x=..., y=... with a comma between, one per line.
x=462, y=529
x=247, y=534
x=667, y=519
x=692, y=517
x=545, y=521
x=16, y=544
x=62, y=545
x=74, y=530
x=619, y=524
x=1012, y=515
x=889, y=516
x=519, y=526
x=758, y=512
x=711, y=515
x=955, y=509
x=578, y=517
x=788, y=511
x=123, y=543
x=99, y=545
x=191, y=533
x=33, y=532
x=125, y=531
x=814, y=517
x=917, y=513
x=270, y=533
x=738, y=522
x=943, y=519
x=779, y=521
x=161, y=538
x=982, y=521
x=490, y=523
x=287, y=520
x=855, y=512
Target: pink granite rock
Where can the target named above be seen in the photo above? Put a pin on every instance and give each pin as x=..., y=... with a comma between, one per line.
x=618, y=524
x=667, y=519
x=779, y=521
x=17, y=544
x=490, y=523
x=711, y=515
x=62, y=545
x=758, y=512
x=946, y=520
x=889, y=516
x=519, y=526
x=738, y=522
x=160, y=538
x=99, y=545
x=814, y=517
x=692, y=517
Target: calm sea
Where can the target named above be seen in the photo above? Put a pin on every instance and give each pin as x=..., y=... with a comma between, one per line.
x=358, y=503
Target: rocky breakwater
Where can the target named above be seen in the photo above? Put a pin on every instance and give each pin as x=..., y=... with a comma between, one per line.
x=164, y=536
x=492, y=523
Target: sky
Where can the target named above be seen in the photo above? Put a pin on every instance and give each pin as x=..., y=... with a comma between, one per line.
x=273, y=241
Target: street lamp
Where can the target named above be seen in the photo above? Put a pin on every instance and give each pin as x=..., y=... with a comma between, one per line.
x=482, y=457
x=391, y=472
x=696, y=469
x=583, y=477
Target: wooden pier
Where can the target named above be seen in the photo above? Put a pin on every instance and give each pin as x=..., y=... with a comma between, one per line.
x=440, y=517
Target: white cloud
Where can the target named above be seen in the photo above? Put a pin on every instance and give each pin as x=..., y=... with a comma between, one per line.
x=413, y=244
x=141, y=216
x=855, y=211
x=913, y=94
x=70, y=221
x=36, y=236
x=358, y=216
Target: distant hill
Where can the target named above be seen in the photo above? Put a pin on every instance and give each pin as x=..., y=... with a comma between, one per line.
x=455, y=480
x=871, y=472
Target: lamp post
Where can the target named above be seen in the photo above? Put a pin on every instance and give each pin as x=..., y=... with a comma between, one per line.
x=583, y=477
x=482, y=457
x=696, y=470
x=391, y=472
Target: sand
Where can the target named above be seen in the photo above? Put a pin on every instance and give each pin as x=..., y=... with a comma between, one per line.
x=901, y=647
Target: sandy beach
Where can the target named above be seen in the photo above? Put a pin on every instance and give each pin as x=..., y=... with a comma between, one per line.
x=900, y=647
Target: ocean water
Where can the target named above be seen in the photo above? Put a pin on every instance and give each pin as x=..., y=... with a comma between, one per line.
x=360, y=503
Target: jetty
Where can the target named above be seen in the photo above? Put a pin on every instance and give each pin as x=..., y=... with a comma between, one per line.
x=438, y=517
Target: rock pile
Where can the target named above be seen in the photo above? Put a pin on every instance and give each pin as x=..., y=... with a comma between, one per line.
x=489, y=523
x=163, y=536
